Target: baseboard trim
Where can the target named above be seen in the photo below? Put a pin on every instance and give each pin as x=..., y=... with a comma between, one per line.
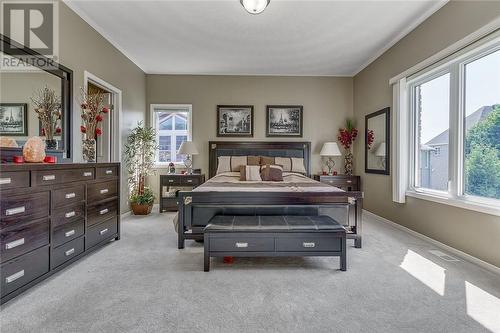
x=483, y=264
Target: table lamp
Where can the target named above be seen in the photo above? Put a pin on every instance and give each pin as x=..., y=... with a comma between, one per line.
x=188, y=148
x=329, y=150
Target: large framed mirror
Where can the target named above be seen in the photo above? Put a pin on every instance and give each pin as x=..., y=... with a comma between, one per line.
x=18, y=119
x=377, y=142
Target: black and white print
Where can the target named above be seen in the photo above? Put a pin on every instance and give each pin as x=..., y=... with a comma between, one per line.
x=284, y=120
x=13, y=119
x=235, y=120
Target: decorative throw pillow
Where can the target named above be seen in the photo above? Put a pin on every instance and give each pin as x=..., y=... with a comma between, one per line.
x=223, y=164
x=291, y=164
x=253, y=160
x=250, y=172
x=266, y=160
x=286, y=162
x=237, y=162
x=272, y=173
x=298, y=165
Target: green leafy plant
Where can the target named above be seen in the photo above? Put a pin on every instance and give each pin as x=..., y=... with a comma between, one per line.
x=139, y=158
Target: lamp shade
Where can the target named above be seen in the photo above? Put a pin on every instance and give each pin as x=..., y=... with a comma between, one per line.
x=330, y=149
x=188, y=148
x=380, y=150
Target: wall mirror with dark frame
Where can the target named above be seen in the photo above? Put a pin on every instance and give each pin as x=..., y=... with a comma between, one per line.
x=377, y=142
x=18, y=119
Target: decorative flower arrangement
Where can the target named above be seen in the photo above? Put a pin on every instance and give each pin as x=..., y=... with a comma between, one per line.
x=93, y=111
x=370, y=137
x=48, y=108
x=346, y=137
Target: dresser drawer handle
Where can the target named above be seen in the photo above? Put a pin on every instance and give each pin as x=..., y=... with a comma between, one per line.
x=14, y=211
x=4, y=181
x=170, y=180
x=103, y=211
x=109, y=172
x=87, y=174
x=69, y=252
x=308, y=244
x=70, y=214
x=102, y=232
x=238, y=244
x=69, y=233
x=14, y=244
x=189, y=180
x=14, y=276
x=104, y=191
x=49, y=177
x=70, y=195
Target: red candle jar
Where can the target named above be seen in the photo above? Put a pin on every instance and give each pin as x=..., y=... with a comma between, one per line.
x=50, y=159
x=18, y=159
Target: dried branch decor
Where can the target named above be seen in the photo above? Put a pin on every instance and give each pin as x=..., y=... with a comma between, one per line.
x=48, y=108
x=93, y=110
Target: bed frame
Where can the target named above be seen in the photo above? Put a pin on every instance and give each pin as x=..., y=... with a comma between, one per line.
x=197, y=208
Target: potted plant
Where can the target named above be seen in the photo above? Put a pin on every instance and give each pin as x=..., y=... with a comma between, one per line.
x=139, y=158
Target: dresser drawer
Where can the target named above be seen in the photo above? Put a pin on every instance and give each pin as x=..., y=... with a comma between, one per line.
x=101, y=212
x=14, y=180
x=64, y=233
x=106, y=172
x=50, y=177
x=313, y=243
x=101, y=232
x=68, y=195
x=171, y=181
x=14, y=208
x=24, y=269
x=190, y=180
x=100, y=191
x=23, y=237
x=244, y=244
x=67, y=251
x=67, y=214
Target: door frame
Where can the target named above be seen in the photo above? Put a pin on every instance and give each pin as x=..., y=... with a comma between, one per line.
x=116, y=124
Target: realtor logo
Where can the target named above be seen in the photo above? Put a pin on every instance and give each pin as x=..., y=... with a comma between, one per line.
x=29, y=25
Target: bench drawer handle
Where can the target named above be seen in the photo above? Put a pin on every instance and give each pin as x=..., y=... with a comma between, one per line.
x=309, y=244
x=103, y=211
x=14, y=211
x=69, y=252
x=70, y=214
x=238, y=244
x=14, y=276
x=102, y=232
x=104, y=191
x=87, y=174
x=4, y=181
x=70, y=195
x=109, y=172
x=14, y=244
x=69, y=233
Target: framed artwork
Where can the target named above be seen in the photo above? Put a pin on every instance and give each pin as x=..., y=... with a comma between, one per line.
x=378, y=142
x=14, y=119
x=235, y=120
x=284, y=120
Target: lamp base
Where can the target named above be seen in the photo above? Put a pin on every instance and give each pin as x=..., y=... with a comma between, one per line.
x=330, y=164
x=188, y=163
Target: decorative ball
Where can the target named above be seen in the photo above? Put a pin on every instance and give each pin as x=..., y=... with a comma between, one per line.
x=34, y=150
x=7, y=142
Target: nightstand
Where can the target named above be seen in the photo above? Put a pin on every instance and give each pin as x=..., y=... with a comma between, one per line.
x=178, y=180
x=347, y=183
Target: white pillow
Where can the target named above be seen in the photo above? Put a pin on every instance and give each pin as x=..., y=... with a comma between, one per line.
x=223, y=164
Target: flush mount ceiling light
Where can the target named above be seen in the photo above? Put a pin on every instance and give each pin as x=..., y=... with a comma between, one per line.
x=254, y=6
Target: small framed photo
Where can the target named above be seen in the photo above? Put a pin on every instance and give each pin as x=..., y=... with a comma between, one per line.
x=14, y=119
x=235, y=120
x=284, y=120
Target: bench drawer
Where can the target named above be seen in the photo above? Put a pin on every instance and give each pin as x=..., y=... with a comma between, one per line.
x=23, y=237
x=243, y=244
x=67, y=251
x=313, y=243
x=67, y=232
x=101, y=232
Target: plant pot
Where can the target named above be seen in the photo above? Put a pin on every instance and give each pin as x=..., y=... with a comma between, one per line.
x=141, y=209
x=51, y=144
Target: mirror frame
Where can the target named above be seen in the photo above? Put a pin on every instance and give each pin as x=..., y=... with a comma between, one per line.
x=387, y=112
x=66, y=76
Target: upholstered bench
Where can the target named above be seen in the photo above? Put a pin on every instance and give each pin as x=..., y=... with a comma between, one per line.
x=268, y=236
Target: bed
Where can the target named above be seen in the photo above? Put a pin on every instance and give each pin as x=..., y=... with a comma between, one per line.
x=298, y=194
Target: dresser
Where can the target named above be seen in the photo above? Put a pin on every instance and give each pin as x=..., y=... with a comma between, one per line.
x=176, y=180
x=52, y=215
x=347, y=183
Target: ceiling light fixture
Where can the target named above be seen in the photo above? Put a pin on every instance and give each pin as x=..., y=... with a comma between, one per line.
x=254, y=6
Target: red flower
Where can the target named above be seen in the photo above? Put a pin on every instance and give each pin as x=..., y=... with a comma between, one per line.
x=369, y=138
x=98, y=117
x=98, y=131
x=43, y=131
x=105, y=110
x=58, y=130
x=83, y=129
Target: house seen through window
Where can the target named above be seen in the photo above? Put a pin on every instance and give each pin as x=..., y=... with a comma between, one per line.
x=172, y=129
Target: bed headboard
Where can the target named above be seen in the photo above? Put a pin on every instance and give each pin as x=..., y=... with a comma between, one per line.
x=258, y=148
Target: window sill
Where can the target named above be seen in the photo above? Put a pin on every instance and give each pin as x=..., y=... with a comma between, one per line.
x=461, y=203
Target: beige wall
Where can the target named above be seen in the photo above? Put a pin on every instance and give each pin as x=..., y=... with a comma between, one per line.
x=83, y=49
x=474, y=233
x=327, y=102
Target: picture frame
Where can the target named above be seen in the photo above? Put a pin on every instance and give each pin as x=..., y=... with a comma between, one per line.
x=235, y=120
x=378, y=142
x=14, y=119
x=284, y=120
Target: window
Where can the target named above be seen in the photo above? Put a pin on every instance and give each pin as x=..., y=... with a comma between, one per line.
x=173, y=127
x=448, y=118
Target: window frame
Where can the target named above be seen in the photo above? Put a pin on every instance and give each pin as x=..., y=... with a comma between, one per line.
x=405, y=123
x=171, y=108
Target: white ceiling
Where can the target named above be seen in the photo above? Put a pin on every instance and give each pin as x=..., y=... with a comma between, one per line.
x=219, y=37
